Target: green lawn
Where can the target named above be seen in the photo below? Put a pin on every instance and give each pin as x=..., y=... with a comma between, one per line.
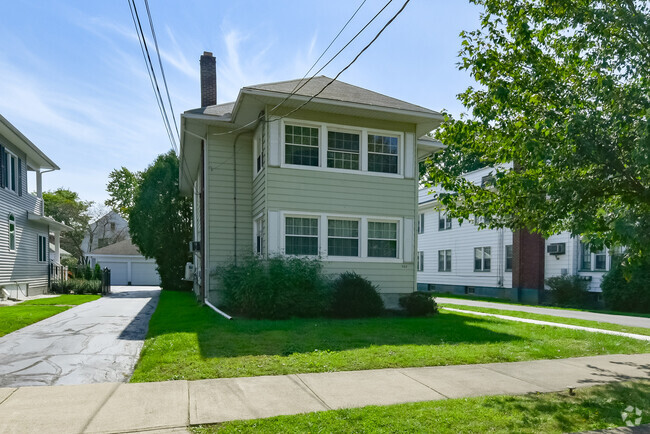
x=186, y=341
x=506, y=301
x=28, y=312
x=62, y=300
x=591, y=408
x=550, y=318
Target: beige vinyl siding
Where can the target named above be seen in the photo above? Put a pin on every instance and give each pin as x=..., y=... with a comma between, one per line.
x=220, y=210
x=21, y=266
x=390, y=278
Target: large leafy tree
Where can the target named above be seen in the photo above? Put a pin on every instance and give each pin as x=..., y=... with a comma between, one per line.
x=66, y=207
x=160, y=221
x=122, y=188
x=562, y=110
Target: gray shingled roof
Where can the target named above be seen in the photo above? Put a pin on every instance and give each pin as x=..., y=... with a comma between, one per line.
x=339, y=91
x=221, y=110
x=125, y=247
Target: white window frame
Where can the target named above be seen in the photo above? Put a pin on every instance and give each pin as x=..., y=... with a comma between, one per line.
x=327, y=220
x=326, y=145
x=323, y=128
x=505, y=258
x=397, y=234
x=421, y=223
x=42, y=248
x=421, y=260
x=257, y=221
x=363, y=235
x=11, y=171
x=258, y=150
x=12, y=232
x=442, y=216
x=283, y=223
x=445, y=253
x=482, y=250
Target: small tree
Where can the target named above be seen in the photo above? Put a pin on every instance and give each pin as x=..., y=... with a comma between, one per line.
x=65, y=206
x=123, y=188
x=160, y=221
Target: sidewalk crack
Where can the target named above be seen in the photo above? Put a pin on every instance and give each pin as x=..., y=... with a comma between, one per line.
x=425, y=385
x=314, y=393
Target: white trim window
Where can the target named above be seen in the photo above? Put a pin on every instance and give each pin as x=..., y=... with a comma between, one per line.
x=259, y=236
x=342, y=237
x=421, y=223
x=482, y=258
x=383, y=153
x=301, y=145
x=508, y=257
x=444, y=221
x=343, y=150
x=444, y=260
x=301, y=236
x=12, y=233
x=42, y=248
x=420, y=260
x=382, y=239
x=11, y=174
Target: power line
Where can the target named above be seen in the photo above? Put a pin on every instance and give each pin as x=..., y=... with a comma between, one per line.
x=152, y=74
x=162, y=70
x=301, y=84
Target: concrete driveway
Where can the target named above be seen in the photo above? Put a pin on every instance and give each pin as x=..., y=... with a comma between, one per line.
x=96, y=342
x=624, y=320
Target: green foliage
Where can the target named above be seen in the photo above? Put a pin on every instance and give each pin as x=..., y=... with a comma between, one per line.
x=281, y=287
x=563, y=95
x=355, y=297
x=97, y=272
x=419, y=304
x=66, y=207
x=88, y=272
x=77, y=286
x=568, y=291
x=626, y=287
x=123, y=188
x=160, y=221
x=69, y=261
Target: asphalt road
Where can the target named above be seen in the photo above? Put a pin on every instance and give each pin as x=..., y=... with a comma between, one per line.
x=95, y=342
x=624, y=320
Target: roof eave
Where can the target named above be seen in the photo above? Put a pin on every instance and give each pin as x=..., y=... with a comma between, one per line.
x=34, y=154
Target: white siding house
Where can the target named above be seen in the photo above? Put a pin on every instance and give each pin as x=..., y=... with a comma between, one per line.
x=460, y=258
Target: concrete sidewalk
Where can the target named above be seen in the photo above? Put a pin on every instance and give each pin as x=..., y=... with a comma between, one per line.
x=624, y=320
x=174, y=405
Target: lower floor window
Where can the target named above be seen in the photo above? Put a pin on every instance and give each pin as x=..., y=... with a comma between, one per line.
x=382, y=239
x=42, y=248
x=482, y=258
x=444, y=260
x=259, y=236
x=301, y=236
x=509, y=257
x=342, y=237
x=420, y=261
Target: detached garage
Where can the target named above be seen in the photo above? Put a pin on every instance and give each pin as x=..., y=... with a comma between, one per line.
x=127, y=265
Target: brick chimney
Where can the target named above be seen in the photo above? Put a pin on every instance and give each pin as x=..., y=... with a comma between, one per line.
x=208, y=80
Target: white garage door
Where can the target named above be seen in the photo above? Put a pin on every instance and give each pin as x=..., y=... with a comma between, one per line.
x=119, y=272
x=143, y=273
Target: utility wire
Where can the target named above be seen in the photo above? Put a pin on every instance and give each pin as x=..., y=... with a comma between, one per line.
x=152, y=73
x=162, y=70
x=300, y=85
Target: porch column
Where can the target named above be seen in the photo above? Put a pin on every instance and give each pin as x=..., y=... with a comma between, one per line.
x=57, y=248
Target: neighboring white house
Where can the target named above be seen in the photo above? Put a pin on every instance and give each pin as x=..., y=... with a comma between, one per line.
x=461, y=259
x=127, y=265
x=25, y=258
x=106, y=230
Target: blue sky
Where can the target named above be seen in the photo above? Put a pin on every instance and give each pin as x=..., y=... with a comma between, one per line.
x=73, y=79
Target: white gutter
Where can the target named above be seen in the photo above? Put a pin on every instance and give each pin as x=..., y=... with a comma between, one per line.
x=214, y=308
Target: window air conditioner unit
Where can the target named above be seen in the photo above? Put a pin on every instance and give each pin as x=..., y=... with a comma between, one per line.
x=189, y=271
x=556, y=248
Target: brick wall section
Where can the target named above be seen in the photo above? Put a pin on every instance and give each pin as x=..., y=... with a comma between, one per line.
x=527, y=260
x=208, y=80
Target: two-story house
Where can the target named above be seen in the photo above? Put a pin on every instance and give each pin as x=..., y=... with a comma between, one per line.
x=316, y=168
x=108, y=229
x=24, y=229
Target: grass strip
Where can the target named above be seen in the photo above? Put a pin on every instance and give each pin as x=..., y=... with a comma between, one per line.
x=62, y=300
x=560, y=320
x=16, y=317
x=592, y=408
x=187, y=341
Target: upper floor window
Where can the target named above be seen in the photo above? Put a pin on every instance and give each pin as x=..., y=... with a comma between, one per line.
x=42, y=248
x=600, y=262
x=444, y=221
x=301, y=236
x=421, y=223
x=585, y=257
x=509, y=257
x=482, y=258
x=342, y=237
x=382, y=239
x=301, y=145
x=12, y=232
x=11, y=172
x=382, y=153
x=420, y=260
x=342, y=150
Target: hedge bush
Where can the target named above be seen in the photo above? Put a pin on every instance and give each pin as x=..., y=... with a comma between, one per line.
x=419, y=304
x=355, y=297
x=568, y=291
x=627, y=287
x=279, y=288
x=77, y=286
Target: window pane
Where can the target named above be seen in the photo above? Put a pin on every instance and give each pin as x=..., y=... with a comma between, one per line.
x=382, y=144
x=382, y=230
x=448, y=260
x=382, y=163
x=301, y=245
x=301, y=226
x=585, y=262
x=601, y=260
x=303, y=155
x=301, y=236
x=441, y=260
x=343, y=247
x=301, y=145
x=343, y=228
x=478, y=257
x=487, y=258
x=342, y=160
x=343, y=142
x=343, y=238
x=509, y=257
x=382, y=248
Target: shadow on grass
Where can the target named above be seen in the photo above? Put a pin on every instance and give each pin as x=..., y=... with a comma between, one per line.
x=218, y=337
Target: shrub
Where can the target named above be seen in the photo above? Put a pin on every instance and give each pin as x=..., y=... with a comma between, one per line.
x=88, y=273
x=626, y=287
x=278, y=288
x=355, y=297
x=419, y=304
x=77, y=286
x=97, y=272
x=568, y=291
